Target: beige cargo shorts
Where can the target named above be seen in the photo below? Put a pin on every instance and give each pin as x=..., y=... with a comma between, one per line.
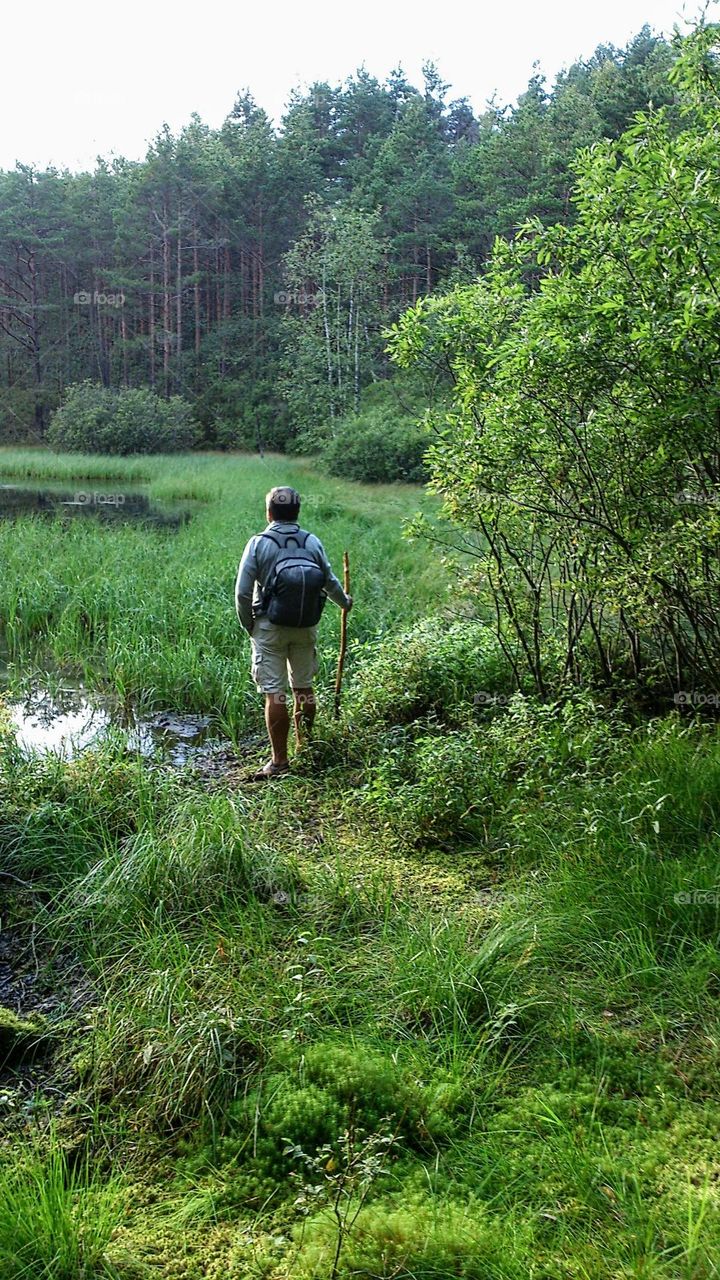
x=282, y=656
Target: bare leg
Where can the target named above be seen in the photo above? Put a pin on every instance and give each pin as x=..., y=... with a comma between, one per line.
x=278, y=725
x=304, y=714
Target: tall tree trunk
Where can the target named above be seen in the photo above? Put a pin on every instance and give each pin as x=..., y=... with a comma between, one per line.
x=123, y=338
x=226, y=284
x=218, y=303
x=196, y=291
x=151, y=313
x=357, y=360
x=35, y=338
x=261, y=268
x=328, y=348
x=166, y=304
x=178, y=311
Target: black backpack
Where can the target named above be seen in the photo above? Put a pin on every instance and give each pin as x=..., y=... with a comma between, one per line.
x=294, y=594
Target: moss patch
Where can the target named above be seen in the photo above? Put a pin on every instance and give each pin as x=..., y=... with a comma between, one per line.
x=19, y=1037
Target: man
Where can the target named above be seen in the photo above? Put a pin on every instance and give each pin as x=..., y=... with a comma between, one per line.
x=283, y=581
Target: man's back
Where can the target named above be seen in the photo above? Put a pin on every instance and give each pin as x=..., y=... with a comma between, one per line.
x=258, y=562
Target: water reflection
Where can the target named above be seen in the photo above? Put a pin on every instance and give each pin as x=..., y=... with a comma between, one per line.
x=68, y=721
x=107, y=505
x=64, y=722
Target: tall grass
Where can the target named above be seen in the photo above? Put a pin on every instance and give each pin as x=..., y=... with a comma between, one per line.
x=56, y=1218
x=150, y=614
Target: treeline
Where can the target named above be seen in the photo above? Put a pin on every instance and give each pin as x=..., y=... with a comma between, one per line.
x=252, y=270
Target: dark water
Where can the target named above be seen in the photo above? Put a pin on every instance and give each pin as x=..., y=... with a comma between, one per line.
x=105, y=504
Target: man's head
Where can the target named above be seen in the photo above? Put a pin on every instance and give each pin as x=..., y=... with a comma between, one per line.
x=283, y=503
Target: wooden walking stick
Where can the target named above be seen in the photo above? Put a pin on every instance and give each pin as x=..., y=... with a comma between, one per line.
x=343, y=636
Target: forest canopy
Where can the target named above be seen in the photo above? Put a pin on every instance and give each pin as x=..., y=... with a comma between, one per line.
x=252, y=269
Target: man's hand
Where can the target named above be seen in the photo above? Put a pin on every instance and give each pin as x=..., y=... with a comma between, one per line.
x=349, y=605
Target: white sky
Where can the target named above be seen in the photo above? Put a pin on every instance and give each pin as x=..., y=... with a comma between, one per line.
x=83, y=78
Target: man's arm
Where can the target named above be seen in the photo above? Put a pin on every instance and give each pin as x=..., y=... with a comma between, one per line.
x=244, y=584
x=332, y=586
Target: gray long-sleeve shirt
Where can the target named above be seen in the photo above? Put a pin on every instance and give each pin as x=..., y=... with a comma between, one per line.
x=257, y=564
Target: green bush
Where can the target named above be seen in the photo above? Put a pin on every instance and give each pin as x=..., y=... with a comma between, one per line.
x=96, y=419
x=440, y=667
x=378, y=446
x=580, y=453
x=482, y=780
x=434, y=788
x=245, y=414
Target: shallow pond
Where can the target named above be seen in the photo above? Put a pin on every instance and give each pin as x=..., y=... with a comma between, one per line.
x=68, y=720
x=104, y=503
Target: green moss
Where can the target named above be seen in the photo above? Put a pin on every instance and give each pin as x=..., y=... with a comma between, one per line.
x=19, y=1037
x=422, y=1239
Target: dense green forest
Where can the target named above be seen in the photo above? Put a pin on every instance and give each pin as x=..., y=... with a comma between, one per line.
x=252, y=269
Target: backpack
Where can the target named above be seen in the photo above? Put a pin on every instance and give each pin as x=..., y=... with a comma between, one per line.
x=294, y=594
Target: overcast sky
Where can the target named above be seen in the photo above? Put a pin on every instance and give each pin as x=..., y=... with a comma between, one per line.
x=83, y=78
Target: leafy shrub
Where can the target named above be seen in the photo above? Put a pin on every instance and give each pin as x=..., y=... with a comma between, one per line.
x=244, y=414
x=96, y=419
x=435, y=667
x=434, y=787
x=581, y=450
x=378, y=447
x=431, y=786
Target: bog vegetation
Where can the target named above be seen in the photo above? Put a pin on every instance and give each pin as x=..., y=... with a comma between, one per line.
x=444, y=1002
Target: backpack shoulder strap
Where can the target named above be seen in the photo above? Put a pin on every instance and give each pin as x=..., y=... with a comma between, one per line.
x=283, y=539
